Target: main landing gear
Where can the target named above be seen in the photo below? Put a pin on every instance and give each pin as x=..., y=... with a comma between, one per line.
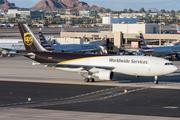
x=156, y=79
x=89, y=78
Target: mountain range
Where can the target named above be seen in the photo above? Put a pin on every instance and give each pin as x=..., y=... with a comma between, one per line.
x=53, y=5
x=4, y=4
x=113, y=4
x=137, y=5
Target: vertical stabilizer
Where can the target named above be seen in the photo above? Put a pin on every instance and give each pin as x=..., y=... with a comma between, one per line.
x=142, y=42
x=178, y=29
x=44, y=42
x=30, y=42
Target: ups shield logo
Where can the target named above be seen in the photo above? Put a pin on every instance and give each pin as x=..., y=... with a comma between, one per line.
x=28, y=39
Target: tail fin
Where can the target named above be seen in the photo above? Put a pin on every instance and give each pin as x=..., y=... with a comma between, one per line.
x=30, y=42
x=178, y=29
x=142, y=42
x=44, y=42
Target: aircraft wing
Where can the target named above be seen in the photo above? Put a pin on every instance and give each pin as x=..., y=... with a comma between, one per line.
x=131, y=50
x=146, y=50
x=22, y=54
x=170, y=53
x=6, y=49
x=86, y=67
x=128, y=50
x=167, y=54
x=82, y=51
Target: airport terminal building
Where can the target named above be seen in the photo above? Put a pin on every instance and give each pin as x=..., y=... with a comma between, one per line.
x=127, y=35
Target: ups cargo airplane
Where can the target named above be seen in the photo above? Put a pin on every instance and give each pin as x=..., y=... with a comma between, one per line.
x=158, y=51
x=101, y=66
x=75, y=48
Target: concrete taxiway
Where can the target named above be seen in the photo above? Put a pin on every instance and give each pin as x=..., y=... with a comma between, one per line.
x=36, y=92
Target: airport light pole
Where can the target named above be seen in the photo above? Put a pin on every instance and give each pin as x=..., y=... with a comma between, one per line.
x=160, y=22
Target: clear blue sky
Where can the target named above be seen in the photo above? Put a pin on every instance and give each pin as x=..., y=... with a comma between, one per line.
x=116, y=4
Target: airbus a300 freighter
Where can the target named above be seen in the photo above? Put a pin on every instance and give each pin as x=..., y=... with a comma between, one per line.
x=101, y=66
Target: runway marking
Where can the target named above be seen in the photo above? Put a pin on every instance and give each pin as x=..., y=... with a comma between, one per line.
x=74, y=99
x=72, y=102
x=171, y=107
x=68, y=98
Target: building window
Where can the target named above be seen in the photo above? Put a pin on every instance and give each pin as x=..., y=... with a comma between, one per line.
x=112, y=40
x=108, y=41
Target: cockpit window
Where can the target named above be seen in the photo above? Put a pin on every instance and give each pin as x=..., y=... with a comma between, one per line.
x=168, y=63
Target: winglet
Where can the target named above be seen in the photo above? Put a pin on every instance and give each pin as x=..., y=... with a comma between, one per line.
x=30, y=42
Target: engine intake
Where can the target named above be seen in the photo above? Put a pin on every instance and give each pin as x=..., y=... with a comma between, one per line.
x=104, y=75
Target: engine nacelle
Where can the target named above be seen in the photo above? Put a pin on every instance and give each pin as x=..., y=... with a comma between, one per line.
x=104, y=75
x=12, y=51
x=8, y=51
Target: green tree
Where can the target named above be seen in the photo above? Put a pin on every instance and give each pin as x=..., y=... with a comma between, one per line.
x=140, y=18
x=163, y=11
x=130, y=10
x=28, y=20
x=108, y=10
x=74, y=11
x=125, y=11
x=149, y=18
x=172, y=11
x=149, y=11
x=100, y=10
x=12, y=20
x=142, y=10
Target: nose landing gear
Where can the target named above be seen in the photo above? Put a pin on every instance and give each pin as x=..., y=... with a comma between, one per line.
x=156, y=79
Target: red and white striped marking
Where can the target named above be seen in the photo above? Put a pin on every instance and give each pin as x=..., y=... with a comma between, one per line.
x=143, y=45
x=46, y=46
x=177, y=29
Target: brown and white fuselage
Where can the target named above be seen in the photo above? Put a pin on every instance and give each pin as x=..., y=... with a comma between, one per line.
x=102, y=66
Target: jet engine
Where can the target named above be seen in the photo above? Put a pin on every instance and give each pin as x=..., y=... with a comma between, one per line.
x=8, y=52
x=104, y=75
x=12, y=51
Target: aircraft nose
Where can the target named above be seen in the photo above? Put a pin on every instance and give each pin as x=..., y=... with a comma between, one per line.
x=170, y=69
x=174, y=68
